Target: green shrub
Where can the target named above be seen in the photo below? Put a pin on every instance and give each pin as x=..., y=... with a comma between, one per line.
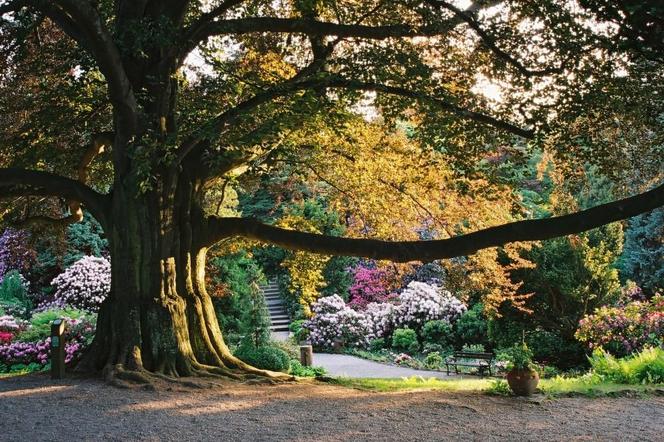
x=377, y=344
x=14, y=294
x=472, y=327
x=268, y=358
x=297, y=369
x=645, y=367
x=299, y=332
x=433, y=360
x=437, y=332
x=499, y=387
x=433, y=348
x=519, y=357
x=292, y=350
x=40, y=323
x=405, y=339
x=473, y=348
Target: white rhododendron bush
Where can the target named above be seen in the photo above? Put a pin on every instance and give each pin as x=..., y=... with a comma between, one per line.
x=84, y=285
x=418, y=303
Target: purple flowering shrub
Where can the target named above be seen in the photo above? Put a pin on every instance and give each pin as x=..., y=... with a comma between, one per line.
x=15, y=253
x=625, y=329
x=419, y=302
x=35, y=352
x=369, y=285
x=84, y=285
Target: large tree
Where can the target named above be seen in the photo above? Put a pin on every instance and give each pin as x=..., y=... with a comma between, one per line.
x=184, y=94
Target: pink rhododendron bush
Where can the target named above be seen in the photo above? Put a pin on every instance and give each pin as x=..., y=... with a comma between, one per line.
x=335, y=321
x=84, y=285
x=625, y=329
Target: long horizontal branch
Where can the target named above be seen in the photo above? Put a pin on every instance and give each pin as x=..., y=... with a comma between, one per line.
x=403, y=251
x=15, y=181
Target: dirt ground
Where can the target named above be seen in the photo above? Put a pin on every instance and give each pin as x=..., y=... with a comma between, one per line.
x=34, y=408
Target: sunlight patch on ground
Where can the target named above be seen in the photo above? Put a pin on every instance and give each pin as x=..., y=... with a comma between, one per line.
x=33, y=391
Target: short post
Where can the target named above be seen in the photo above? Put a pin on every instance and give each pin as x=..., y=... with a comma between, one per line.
x=306, y=355
x=57, y=349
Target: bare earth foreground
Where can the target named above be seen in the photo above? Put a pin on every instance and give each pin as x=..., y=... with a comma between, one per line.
x=35, y=408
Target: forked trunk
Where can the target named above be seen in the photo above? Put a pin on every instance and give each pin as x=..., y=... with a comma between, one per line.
x=159, y=318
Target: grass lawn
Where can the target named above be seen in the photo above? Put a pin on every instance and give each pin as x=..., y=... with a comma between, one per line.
x=551, y=387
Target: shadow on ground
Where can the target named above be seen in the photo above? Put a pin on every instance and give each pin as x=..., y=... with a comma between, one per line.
x=36, y=408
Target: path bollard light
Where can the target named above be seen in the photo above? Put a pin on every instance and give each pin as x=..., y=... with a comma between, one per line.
x=306, y=355
x=57, y=349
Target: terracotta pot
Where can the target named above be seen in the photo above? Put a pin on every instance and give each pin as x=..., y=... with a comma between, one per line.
x=523, y=382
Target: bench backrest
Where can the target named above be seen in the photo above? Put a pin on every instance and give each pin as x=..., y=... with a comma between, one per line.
x=470, y=355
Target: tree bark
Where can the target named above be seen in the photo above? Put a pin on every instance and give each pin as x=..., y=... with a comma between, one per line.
x=159, y=319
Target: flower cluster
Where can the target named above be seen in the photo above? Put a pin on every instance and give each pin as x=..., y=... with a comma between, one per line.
x=403, y=359
x=420, y=302
x=381, y=317
x=85, y=284
x=333, y=320
x=78, y=336
x=625, y=329
x=369, y=285
x=10, y=324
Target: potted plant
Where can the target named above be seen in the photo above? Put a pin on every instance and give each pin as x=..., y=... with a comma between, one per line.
x=521, y=374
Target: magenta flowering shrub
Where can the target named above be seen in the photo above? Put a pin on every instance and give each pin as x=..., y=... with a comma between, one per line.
x=369, y=285
x=625, y=329
x=420, y=302
x=84, y=285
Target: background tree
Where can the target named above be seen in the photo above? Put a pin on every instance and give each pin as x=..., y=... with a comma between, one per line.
x=122, y=88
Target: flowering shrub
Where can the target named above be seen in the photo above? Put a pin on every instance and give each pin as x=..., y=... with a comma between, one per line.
x=420, y=302
x=334, y=321
x=623, y=330
x=85, y=284
x=78, y=335
x=381, y=317
x=14, y=251
x=369, y=285
x=404, y=359
x=9, y=326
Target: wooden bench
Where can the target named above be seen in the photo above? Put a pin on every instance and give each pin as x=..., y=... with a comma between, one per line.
x=481, y=361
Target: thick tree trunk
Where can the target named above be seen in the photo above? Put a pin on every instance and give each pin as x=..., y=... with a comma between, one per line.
x=159, y=318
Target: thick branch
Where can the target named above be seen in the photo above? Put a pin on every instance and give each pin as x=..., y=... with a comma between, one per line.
x=216, y=125
x=33, y=182
x=403, y=251
x=206, y=27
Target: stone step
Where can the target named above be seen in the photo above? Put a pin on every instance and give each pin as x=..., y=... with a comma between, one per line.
x=285, y=322
x=278, y=317
x=273, y=298
x=280, y=328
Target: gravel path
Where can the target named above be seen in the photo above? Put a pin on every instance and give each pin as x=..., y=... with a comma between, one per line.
x=34, y=408
x=354, y=367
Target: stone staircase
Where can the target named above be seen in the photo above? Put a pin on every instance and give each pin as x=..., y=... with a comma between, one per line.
x=278, y=315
